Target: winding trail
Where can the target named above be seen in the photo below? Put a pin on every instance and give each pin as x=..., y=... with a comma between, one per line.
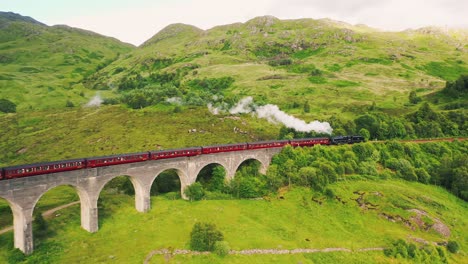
x=255, y=251
x=47, y=214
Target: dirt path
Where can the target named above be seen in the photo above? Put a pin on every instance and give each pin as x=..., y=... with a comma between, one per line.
x=255, y=251
x=47, y=214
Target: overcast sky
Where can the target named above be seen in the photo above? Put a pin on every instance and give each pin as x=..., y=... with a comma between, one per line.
x=137, y=20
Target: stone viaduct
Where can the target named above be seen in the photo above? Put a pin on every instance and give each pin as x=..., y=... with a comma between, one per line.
x=22, y=194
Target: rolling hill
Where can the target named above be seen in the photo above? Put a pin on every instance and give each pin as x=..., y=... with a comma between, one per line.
x=312, y=69
x=42, y=66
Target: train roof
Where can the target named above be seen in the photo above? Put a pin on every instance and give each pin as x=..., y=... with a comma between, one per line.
x=268, y=141
x=178, y=149
x=302, y=139
x=43, y=163
x=225, y=145
x=118, y=155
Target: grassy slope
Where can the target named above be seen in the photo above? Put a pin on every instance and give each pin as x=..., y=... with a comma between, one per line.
x=84, y=132
x=128, y=236
x=359, y=65
x=41, y=67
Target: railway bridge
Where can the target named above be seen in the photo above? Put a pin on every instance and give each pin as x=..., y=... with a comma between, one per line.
x=22, y=194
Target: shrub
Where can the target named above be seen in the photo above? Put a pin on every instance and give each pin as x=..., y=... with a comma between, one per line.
x=414, y=98
x=221, y=248
x=367, y=168
x=195, y=192
x=329, y=193
x=423, y=176
x=204, y=236
x=40, y=225
x=16, y=256
x=452, y=246
x=69, y=104
x=7, y=106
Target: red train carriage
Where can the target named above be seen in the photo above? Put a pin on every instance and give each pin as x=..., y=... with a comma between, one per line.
x=224, y=148
x=42, y=168
x=1, y=174
x=117, y=159
x=309, y=142
x=175, y=153
x=267, y=144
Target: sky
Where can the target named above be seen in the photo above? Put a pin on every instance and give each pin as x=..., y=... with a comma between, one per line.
x=138, y=20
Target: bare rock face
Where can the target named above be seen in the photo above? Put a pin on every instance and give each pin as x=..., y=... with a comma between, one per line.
x=437, y=225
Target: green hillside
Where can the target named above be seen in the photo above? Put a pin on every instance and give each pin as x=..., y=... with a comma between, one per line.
x=337, y=67
x=312, y=69
x=294, y=220
x=41, y=66
x=176, y=90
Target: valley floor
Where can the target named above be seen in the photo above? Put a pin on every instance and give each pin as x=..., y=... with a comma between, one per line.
x=292, y=220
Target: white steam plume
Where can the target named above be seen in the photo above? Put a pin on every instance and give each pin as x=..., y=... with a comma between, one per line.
x=214, y=110
x=244, y=106
x=174, y=100
x=274, y=115
x=96, y=101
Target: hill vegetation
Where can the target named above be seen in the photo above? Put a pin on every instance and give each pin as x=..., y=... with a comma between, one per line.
x=69, y=93
x=354, y=77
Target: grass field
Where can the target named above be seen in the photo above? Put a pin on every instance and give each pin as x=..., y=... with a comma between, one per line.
x=84, y=132
x=295, y=221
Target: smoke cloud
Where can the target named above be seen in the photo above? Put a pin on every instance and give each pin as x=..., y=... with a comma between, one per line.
x=174, y=100
x=96, y=101
x=273, y=114
x=244, y=106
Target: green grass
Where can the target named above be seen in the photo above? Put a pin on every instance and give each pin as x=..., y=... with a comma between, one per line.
x=128, y=236
x=333, y=257
x=41, y=79
x=449, y=71
x=84, y=132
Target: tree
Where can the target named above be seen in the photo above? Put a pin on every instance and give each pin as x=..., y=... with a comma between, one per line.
x=306, y=176
x=369, y=122
x=453, y=246
x=7, y=106
x=221, y=248
x=414, y=98
x=218, y=179
x=339, y=132
x=457, y=88
x=365, y=133
x=204, y=236
x=195, y=192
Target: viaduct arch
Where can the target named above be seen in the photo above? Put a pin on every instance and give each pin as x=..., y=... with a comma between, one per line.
x=22, y=194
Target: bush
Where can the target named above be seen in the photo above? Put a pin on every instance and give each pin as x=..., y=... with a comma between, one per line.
x=195, y=192
x=69, y=104
x=16, y=256
x=452, y=246
x=329, y=193
x=40, y=225
x=204, y=236
x=221, y=248
x=7, y=106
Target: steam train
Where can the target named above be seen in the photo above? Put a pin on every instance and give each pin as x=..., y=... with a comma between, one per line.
x=76, y=164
